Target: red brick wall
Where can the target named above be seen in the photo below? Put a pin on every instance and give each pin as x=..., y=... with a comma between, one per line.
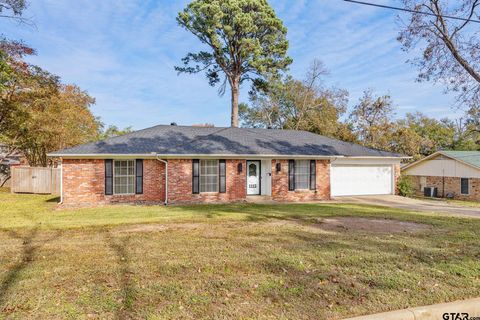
x=280, y=183
x=397, y=173
x=84, y=183
x=180, y=183
x=452, y=185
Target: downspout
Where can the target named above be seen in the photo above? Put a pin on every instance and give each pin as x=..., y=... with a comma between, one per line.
x=443, y=182
x=166, y=178
x=332, y=160
x=61, y=183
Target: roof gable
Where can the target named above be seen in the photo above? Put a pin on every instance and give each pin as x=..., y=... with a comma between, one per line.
x=470, y=158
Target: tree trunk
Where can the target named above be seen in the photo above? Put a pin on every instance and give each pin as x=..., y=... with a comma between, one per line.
x=235, y=84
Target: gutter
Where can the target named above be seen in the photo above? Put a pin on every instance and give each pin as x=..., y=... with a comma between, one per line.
x=216, y=156
x=189, y=156
x=166, y=177
x=61, y=183
x=375, y=157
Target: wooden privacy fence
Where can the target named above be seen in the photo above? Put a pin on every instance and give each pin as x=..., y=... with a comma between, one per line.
x=35, y=180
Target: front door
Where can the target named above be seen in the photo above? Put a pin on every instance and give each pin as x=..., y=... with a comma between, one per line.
x=253, y=177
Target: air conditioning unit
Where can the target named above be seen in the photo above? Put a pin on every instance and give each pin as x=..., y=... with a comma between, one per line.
x=430, y=192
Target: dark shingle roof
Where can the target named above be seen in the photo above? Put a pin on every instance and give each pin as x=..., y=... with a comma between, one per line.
x=185, y=140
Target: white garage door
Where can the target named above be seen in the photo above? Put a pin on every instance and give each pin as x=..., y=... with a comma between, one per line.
x=348, y=180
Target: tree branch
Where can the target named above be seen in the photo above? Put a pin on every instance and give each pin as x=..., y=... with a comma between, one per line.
x=472, y=12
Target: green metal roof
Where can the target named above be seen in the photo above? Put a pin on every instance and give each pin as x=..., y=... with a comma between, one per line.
x=470, y=157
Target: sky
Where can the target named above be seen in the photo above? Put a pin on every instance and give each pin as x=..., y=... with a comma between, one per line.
x=123, y=53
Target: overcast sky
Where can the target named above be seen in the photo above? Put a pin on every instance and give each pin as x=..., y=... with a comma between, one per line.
x=123, y=52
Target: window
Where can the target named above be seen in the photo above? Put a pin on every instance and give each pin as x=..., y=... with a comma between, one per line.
x=302, y=174
x=124, y=176
x=252, y=170
x=208, y=175
x=464, y=186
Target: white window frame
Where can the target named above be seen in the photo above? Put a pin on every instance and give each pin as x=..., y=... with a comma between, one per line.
x=465, y=194
x=128, y=175
x=307, y=174
x=216, y=175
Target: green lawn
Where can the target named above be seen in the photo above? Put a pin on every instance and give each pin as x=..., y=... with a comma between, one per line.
x=227, y=261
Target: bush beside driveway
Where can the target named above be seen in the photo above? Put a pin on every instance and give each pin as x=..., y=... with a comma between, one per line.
x=306, y=261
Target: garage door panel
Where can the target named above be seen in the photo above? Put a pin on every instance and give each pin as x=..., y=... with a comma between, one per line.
x=360, y=180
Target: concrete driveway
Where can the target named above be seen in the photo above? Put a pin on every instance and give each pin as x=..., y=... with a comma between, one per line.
x=413, y=204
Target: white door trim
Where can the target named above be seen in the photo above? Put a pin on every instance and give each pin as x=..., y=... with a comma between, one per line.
x=266, y=177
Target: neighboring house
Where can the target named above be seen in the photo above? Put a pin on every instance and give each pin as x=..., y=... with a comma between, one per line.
x=9, y=158
x=6, y=161
x=182, y=164
x=455, y=174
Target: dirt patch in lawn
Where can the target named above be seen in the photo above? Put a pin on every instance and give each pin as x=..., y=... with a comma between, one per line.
x=371, y=225
x=159, y=227
x=327, y=225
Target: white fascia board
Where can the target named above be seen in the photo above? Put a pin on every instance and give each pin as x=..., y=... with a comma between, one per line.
x=189, y=156
x=366, y=161
x=244, y=156
x=376, y=157
x=216, y=156
x=101, y=156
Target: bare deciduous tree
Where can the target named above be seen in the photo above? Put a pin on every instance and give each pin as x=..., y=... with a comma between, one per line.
x=299, y=105
x=371, y=120
x=13, y=9
x=450, y=48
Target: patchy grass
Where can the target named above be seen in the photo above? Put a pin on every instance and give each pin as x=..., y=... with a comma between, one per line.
x=226, y=261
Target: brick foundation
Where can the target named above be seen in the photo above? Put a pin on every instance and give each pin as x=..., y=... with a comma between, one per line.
x=452, y=186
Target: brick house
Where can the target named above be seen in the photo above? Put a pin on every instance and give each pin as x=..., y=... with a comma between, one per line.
x=454, y=174
x=182, y=164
